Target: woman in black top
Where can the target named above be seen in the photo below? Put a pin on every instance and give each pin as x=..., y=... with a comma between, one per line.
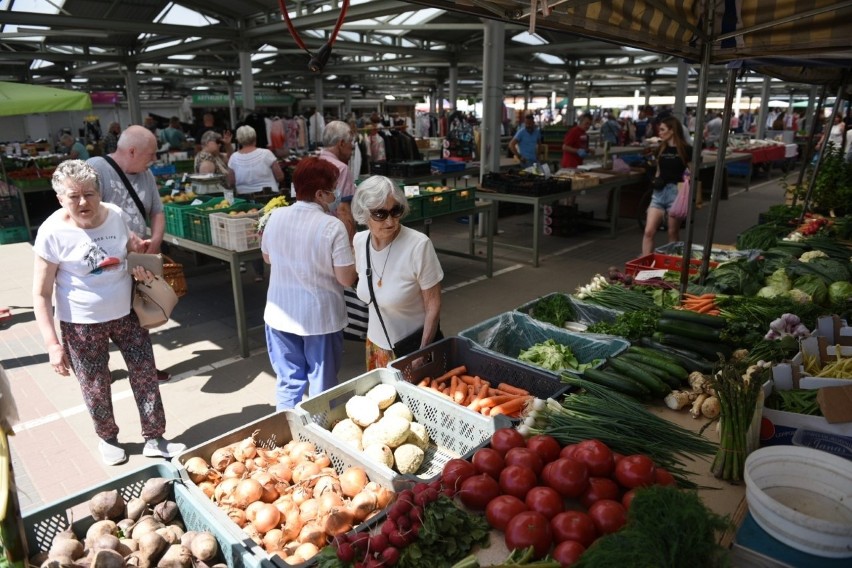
x=672, y=160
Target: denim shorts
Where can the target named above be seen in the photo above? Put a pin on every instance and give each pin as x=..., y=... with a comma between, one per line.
x=664, y=198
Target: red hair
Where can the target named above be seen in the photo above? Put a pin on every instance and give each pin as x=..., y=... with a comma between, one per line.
x=313, y=174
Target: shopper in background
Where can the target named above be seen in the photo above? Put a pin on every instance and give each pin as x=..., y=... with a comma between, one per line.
x=404, y=269
x=208, y=122
x=836, y=134
x=357, y=158
x=311, y=262
x=673, y=157
x=110, y=141
x=611, y=130
x=215, y=151
x=713, y=130
x=135, y=152
x=173, y=134
x=74, y=149
x=80, y=257
x=575, y=145
x=526, y=142
x=253, y=170
x=338, y=145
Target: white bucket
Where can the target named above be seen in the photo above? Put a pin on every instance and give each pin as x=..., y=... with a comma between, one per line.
x=802, y=497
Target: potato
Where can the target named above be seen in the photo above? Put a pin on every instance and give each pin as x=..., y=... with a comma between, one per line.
x=362, y=410
x=177, y=556
x=66, y=548
x=151, y=547
x=106, y=542
x=383, y=394
x=204, y=546
x=107, y=559
x=145, y=525
x=156, y=490
x=408, y=458
x=107, y=505
x=399, y=409
x=136, y=507
x=418, y=435
x=99, y=528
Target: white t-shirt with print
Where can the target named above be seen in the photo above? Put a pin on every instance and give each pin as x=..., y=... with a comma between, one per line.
x=92, y=282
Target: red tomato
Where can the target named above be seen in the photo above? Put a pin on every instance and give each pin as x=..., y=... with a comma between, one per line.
x=608, y=516
x=517, y=480
x=478, y=490
x=568, y=451
x=635, y=471
x=616, y=457
x=567, y=553
x=574, y=525
x=627, y=498
x=597, y=457
x=567, y=476
x=503, y=509
x=488, y=460
x=600, y=488
x=455, y=471
x=545, y=500
x=505, y=439
x=529, y=529
x=663, y=477
x=545, y=446
x=525, y=457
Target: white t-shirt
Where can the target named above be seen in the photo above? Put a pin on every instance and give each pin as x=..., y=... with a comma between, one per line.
x=304, y=244
x=113, y=190
x=253, y=171
x=92, y=282
x=412, y=266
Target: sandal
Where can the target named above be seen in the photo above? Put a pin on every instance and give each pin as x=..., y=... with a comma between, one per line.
x=5, y=314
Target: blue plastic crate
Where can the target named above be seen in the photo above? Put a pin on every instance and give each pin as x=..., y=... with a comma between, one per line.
x=169, y=169
x=447, y=166
x=43, y=524
x=512, y=332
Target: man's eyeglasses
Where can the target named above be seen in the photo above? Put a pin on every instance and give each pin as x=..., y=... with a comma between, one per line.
x=381, y=214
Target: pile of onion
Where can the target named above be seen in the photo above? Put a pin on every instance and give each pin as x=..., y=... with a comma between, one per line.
x=289, y=499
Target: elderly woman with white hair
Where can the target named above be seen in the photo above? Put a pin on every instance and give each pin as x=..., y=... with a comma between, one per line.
x=81, y=260
x=252, y=170
x=75, y=149
x=399, y=275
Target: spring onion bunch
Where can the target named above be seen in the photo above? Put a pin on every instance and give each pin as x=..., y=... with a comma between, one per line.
x=621, y=423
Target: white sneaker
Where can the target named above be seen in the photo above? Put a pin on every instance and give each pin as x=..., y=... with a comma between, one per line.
x=111, y=452
x=162, y=448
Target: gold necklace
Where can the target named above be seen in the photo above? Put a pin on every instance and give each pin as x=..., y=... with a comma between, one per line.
x=379, y=283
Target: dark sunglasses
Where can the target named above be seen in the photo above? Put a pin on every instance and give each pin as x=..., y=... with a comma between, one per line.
x=381, y=214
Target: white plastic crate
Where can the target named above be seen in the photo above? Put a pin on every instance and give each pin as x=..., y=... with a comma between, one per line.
x=454, y=431
x=235, y=232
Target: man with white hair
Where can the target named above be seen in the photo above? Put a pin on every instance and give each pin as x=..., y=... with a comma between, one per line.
x=126, y=180
x=338, y=143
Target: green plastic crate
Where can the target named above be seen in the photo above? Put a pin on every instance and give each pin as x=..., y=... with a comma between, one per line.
x=43, y=524
x=512, y=332
x=9, y=235
x=463, y=198
x=435, y=204
x=175, y=213
x=583, y=312
x=32, y=183
x=415, y=203
x=198, y=220
x=184, y=166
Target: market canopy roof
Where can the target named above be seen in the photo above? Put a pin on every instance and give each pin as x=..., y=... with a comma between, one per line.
x=18, y=98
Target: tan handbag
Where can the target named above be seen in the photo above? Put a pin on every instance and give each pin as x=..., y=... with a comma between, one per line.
x=160, y=265
x=153, y=302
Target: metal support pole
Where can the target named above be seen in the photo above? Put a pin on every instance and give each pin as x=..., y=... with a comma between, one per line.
x=764, y=108
x=809, y=147
x=492, y=95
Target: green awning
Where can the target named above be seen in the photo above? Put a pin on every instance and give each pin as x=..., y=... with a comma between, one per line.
x=19, y=98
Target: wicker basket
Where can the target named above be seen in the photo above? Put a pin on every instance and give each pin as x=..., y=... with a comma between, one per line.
x=174, y=276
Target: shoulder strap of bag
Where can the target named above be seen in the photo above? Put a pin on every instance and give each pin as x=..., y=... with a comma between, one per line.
x=373, y=295
x=129, y=187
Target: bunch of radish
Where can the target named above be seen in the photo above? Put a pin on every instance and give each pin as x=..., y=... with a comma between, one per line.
x=556, y=499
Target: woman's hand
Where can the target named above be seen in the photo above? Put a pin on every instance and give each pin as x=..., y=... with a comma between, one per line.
x=227, y=136
x=58, y=359
x=137, y=244
x=143, y=275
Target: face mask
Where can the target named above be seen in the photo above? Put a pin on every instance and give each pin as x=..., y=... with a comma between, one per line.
x=332, y=207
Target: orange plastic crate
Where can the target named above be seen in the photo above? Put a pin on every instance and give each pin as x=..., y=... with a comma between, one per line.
x=663, y=261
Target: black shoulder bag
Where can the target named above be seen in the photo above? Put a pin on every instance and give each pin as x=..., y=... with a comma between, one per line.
x=129, y=187
x=411, y=342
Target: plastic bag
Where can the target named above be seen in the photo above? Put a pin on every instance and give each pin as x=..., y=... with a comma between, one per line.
x=512, y=332
x=680, y=207
x=584, y=313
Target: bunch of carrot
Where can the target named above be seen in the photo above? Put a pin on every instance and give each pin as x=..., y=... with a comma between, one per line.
x=703, y=304
x=477, y=393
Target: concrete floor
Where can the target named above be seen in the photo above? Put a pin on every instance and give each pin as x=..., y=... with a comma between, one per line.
x=213, y=390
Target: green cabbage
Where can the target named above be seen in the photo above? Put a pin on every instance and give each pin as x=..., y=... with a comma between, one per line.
x=770, y=292
x=840, y=292
x=814, y=286
x=779, y=281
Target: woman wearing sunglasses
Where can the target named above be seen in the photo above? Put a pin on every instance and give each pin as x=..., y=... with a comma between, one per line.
x=399, y=264
x=311, y=262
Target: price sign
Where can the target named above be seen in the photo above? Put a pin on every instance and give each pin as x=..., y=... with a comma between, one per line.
x=411, y=190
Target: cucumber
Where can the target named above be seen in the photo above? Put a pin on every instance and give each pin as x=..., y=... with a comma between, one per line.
x=656, y=385
x=697, y=331
x=670, y=365
x=641, y=363
x=617, y=383
x=690, y=316
x=690, y=361
x=706, y=349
